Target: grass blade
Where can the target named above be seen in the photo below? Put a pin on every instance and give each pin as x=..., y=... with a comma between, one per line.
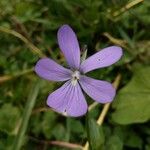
x=26, y=116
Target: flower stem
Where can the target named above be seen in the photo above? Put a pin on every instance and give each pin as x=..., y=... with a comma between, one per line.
x=105, y=109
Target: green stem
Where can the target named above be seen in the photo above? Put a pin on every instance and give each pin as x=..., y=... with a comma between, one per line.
x=26, y=116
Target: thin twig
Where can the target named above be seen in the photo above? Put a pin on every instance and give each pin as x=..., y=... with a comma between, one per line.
x=115, y=41
x=41, y=109
x=127, y=7
x=93, y=105
x=106, y=106
x=33, y=48
x=65, y=144
x=5, y=78
x=57, y=143
x=105, y=109
x=20, y=28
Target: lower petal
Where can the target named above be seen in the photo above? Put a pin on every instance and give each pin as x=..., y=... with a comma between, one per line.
x=68, y=100
x=100, y=91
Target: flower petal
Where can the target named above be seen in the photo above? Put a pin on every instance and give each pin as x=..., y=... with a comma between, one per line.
x=69, y=100
x=100, y=91
x=103, y=58
x=69, y=45
x=48, y=69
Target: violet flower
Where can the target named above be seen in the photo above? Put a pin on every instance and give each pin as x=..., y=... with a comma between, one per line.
x=69, y=98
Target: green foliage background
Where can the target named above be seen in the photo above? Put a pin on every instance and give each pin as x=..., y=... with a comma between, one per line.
x=25, y=121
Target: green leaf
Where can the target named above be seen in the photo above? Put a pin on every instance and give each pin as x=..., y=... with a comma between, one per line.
x=59, y=132
x=24, y=15
x=114, y=143
x=9, y=117
x=76, y=126
x=133, y=140
x=132, y=102
x=6, y=141
x=147, y=147
x=49, y=120
x=95, y=134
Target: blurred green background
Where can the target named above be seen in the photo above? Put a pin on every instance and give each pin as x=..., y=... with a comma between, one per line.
x=28, y=30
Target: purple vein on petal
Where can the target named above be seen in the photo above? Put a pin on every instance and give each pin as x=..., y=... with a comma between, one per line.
x=78, y=105
x=68, y=99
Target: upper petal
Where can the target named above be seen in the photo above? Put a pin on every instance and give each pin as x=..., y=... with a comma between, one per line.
x=100, y=91
x=103, y=58
x=69, y=45
x=68, y=99
x=48, y=69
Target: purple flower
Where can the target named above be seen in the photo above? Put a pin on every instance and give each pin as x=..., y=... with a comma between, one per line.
x=69, y=98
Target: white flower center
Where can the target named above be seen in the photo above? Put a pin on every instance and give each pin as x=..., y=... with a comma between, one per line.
x=75, y=77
